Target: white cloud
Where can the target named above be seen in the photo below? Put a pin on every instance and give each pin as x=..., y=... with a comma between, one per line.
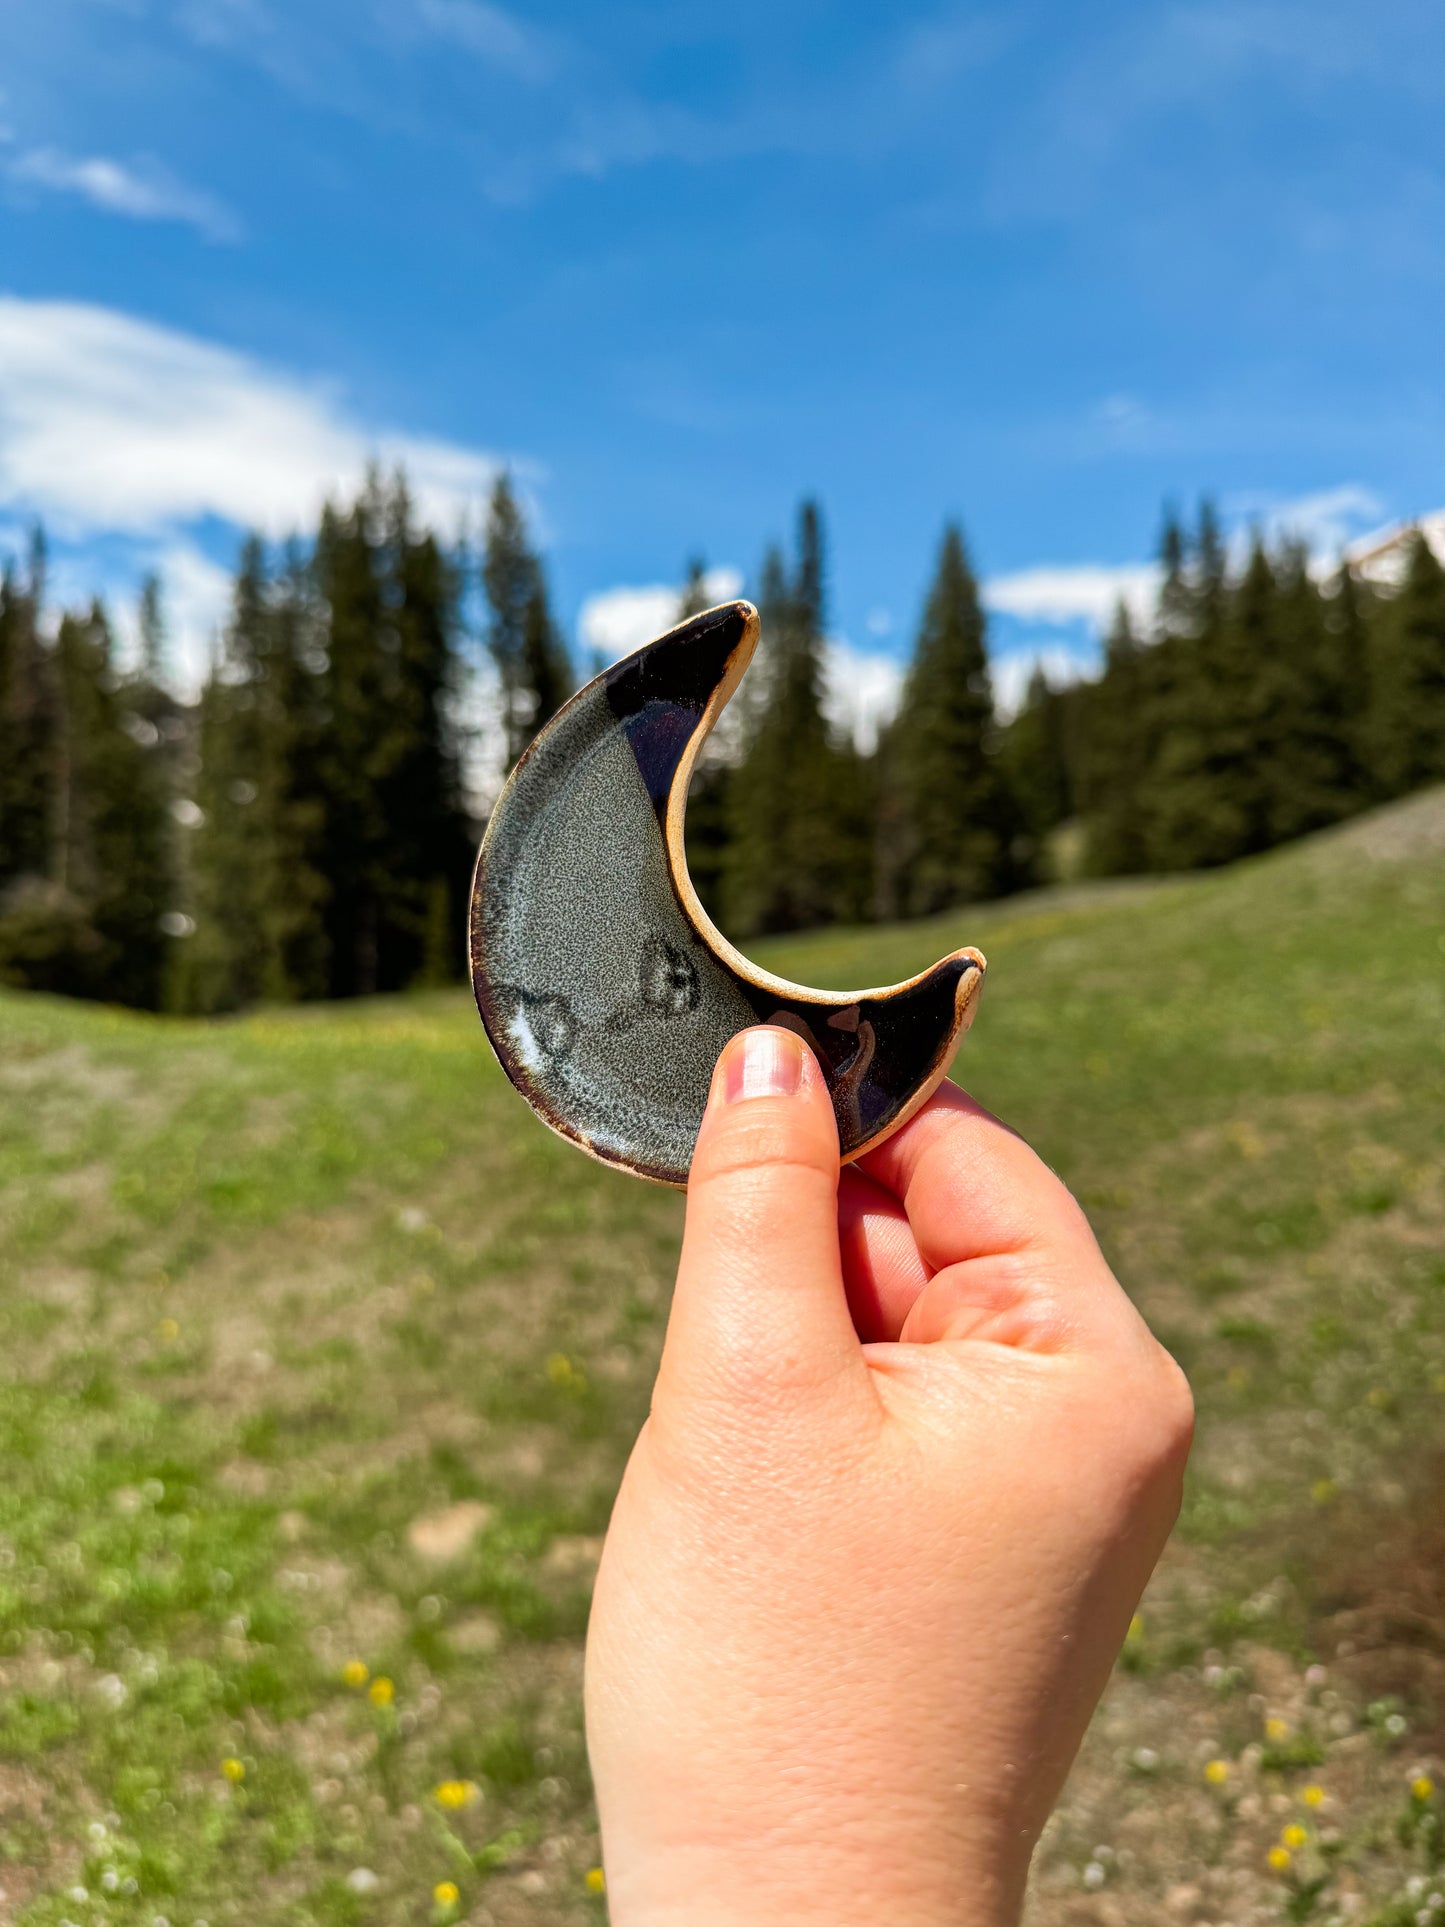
x=148, y=194
x=486, y=31
x=128, y=439
x=1011, y=674
x=861, y=689
x=112, y=423
x=1328, y=520
x=1085, y=592
x=617, y=621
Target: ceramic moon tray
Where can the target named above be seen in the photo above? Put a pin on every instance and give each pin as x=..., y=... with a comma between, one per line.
x=606, y=990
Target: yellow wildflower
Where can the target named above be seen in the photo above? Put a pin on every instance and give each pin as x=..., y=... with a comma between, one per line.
x=1136, y=1627
x=446, y=1893
x=1422, y=1786
x=1279, y=1858
x=168, y=1331
x=1294, y=1836
x=381, y=1691
x=1217, y=1772
x=457, y=1793
x=234, y=1770
x=596, y=1881
x=1323, y=1491
x=355, y=1672
x=1276, y=1730
x=1313, y=1796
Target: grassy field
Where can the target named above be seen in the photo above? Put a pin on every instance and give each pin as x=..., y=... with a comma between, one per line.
x=321, y=1360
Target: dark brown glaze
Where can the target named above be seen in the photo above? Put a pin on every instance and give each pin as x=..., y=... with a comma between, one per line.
x=603, y=985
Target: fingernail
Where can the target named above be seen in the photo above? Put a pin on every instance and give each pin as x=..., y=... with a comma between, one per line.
x=762, y=1063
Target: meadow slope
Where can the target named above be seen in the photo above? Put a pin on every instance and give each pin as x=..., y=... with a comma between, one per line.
x=321, y=1360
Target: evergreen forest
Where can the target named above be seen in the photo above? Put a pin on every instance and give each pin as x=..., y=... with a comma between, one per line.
x=304, y=827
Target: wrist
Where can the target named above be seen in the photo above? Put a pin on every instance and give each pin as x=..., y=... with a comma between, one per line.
x=832, y=1882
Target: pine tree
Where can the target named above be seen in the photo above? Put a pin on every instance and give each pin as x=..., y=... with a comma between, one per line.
x=1175, y=613
x=151, y=628
x=350, y=580
x=1036, y=761
x=1208, y=590
x=290, y=804
x=1350, y=614
x=791, y=861
x=422, y=864
x=1205, y=800
x=1408, y=712
x=546, y=670
x=257, y=888
x=110, y=840
x=27, y=729
x=231, y=862
x=958, y=824
x=709, y=808
x=1306, y=749
x=695, y=597
x=531, y=660
x=1117, y=753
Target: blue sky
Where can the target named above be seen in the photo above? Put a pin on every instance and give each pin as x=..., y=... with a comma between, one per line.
x=1038, y=267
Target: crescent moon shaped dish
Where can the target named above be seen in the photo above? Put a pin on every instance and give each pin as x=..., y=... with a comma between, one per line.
x=606, y=990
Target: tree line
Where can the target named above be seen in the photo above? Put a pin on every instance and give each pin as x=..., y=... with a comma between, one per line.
x=304, y=828
x=1262, y=703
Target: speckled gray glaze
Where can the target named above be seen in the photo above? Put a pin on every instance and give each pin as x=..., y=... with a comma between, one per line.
x=606, y=992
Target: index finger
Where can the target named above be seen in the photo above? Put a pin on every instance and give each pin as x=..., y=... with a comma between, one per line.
x=971, y=1187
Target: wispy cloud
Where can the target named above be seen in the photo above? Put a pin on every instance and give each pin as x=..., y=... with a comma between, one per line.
x=146, y=192
x=1139, y=77
x=139, y=445
x=487, y=32
x=1059, y=597
x=934, y=55
x=112, y=422
x=1327, y=520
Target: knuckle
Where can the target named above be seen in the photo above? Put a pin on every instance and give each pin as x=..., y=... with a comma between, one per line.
x=1164, y=1414
x=768, y=1140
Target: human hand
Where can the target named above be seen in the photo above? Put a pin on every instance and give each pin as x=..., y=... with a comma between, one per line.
x=911, y=1457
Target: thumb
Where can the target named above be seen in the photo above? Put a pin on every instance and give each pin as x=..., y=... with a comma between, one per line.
x=760, y=1309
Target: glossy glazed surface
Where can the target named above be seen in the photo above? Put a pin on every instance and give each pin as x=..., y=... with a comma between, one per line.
x=605, y=990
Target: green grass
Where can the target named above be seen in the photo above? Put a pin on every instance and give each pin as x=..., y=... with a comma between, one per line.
x=273, y=1290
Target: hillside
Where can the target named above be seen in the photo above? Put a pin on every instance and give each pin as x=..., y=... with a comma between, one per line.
x=321, y=1354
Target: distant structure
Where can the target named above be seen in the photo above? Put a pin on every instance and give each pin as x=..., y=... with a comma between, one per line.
x=1381, y=557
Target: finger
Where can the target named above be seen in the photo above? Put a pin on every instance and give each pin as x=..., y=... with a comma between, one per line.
x=760, y=1308
x=970, y=1185
x=1011, y=1255
x=882, y=1271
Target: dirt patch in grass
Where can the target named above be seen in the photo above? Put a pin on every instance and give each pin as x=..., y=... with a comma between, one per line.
x=1382, y=1603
